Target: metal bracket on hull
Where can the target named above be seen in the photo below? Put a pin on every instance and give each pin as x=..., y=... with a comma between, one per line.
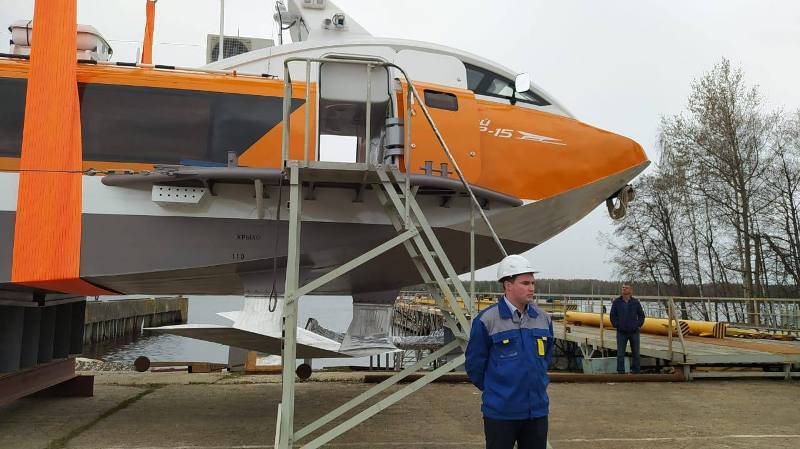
x=178, y=195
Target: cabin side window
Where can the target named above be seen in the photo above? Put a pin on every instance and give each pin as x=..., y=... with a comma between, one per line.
x=12, y=115
x=484, y=82
x=167, y=126
x=132, y=124
x=441, y=100
x=152, y=125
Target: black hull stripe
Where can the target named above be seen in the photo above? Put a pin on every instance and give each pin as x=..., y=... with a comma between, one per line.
x=152, y=125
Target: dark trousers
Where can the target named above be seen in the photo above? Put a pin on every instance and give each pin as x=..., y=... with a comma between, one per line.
x=528, y=433
x=622, y=343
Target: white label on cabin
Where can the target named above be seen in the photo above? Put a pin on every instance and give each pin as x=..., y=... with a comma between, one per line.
x=506, y=133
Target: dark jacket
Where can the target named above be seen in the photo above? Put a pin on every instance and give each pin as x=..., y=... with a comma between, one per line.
x=507, y=360
x=627, y=317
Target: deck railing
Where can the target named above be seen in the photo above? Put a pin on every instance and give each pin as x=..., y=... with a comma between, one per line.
x=778, y=315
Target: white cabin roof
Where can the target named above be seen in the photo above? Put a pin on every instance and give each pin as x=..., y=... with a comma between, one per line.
x=242, y=61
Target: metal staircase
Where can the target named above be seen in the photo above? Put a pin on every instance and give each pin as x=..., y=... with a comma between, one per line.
x=414, y=232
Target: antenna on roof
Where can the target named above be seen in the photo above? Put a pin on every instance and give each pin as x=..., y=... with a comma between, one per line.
x=284, y=19
x=314, y=20
x=221, y=54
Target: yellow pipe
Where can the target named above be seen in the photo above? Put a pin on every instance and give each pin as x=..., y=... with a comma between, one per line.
x=706, y=328
x=656, y=326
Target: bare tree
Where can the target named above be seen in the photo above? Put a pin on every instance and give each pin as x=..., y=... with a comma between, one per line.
x=722, y=208
x=783, y=231
x=724, y=141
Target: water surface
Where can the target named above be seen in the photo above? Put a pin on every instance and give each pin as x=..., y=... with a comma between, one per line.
x=332, y=312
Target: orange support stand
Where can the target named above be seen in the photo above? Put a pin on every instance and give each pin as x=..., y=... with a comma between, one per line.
x=47, y=232
x=147, y=46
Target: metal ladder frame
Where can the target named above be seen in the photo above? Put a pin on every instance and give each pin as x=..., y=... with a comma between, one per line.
x=414, y=232
x=426, y=255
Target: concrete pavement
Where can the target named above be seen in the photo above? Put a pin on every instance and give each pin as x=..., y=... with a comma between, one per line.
x=161, y=410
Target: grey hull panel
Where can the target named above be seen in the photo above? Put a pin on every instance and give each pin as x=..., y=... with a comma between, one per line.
x=131, y=246
x=190, y=256
x=114, y=244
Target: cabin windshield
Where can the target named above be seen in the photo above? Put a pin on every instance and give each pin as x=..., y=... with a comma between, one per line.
x=484, y=82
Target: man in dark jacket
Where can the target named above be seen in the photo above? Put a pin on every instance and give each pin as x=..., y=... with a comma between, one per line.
x=627, y=316
x=509, y=349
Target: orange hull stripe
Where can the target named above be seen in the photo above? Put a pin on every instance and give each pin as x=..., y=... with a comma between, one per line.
x=504, y=162
x=47, y=232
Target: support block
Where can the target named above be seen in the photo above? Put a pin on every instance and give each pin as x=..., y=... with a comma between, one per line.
x=12, y=319
x=47, y=334
x=63, y=331
x=687, y=373
x=77, y=387
x=26, y=382
x=237, y=359
x=30, y=337
x=78, y=326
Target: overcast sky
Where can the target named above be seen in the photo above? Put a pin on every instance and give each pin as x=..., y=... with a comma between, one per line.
x=618, y=65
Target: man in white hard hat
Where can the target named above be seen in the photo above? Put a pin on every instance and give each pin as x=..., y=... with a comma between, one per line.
x=509, y=350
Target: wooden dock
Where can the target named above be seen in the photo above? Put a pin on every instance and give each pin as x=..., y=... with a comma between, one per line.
x=697, y=356
x=698, y=351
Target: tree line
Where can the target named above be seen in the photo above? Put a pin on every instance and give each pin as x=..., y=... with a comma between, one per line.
x=719, y=215
x=583, y=287
x=567, y=286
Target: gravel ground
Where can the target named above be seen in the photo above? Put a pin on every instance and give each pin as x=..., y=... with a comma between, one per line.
x=94, y=365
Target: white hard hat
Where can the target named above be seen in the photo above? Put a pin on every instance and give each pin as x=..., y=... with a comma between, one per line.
x=513, y=265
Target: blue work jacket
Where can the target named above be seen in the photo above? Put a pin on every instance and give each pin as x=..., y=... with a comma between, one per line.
x=507, y=359
x=627, y=317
